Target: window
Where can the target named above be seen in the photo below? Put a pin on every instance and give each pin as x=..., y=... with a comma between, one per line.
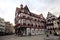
x=49, y=20
x=39, y=25
x=28, y=24
x=35, y=20
x=19, y=21
x=23, y=16
x=1, y=26
x=24, y=20
x=53, y=19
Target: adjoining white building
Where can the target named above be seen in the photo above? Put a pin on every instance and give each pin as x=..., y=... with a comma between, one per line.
x=5, y=27
x=2, y=26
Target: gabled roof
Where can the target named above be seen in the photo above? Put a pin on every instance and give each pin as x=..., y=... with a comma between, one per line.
x=26, y=8
x=41, y=16
x=50, y=15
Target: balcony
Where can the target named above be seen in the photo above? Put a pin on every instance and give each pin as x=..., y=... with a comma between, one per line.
x=2, y=27
x=2, y=24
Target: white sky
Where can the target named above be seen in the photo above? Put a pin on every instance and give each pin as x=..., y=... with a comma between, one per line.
x=7, y=7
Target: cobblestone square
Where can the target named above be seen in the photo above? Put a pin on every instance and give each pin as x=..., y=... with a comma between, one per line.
x=14, y=37
x=36, y=37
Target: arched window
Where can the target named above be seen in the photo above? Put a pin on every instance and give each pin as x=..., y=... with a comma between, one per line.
x=28, y=24
x=35, y=19
x=23, y=16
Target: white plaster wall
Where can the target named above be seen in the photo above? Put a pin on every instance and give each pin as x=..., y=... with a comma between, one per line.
x=2, y=25
x=55, y=24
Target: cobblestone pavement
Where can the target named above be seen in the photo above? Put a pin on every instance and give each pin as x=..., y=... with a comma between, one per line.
x=14, y=37
x=37, y=37
x=52, y=37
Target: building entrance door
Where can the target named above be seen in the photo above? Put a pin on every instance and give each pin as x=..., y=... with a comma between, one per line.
x=22, y=31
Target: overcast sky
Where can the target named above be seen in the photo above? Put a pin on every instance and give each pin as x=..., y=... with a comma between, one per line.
x=8, y=7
